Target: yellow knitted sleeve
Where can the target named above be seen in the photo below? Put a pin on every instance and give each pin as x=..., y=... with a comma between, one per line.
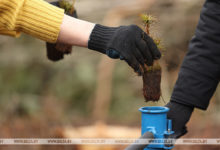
x=34, y=17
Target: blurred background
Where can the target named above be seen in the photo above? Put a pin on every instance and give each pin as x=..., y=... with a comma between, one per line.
x=88, y=94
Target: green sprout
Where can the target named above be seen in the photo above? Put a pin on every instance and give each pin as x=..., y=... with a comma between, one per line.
x=147, y=19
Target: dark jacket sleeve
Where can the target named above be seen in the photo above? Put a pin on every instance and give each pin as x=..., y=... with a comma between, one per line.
x=200, y=72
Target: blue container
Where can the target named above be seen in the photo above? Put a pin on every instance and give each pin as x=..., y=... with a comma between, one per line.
x=154, y=119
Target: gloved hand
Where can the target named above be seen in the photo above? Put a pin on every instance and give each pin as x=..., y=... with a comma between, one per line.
x=130, y=43
x=180, y=115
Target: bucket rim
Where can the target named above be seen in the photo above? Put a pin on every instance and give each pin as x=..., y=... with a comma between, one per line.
x=154, y=109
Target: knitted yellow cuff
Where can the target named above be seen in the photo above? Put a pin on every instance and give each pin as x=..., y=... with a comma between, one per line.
x=10, y=33
x=40, y=19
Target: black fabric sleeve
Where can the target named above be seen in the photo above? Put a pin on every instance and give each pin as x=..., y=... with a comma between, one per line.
x=100, y=37
x=200, y=72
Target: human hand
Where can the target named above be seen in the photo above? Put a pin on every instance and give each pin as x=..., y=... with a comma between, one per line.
x=129, y=43
x=180, y=115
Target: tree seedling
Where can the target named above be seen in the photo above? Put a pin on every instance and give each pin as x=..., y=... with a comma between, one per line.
x=151, y=75
x=57, y=51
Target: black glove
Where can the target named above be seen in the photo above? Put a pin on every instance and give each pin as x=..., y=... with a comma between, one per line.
x=180, y=115
x=130, y=43
x=56, y=51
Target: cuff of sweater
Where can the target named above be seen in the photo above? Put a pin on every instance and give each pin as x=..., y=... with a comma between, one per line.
x=100, y=36
x=41, y=20
x=10, y=33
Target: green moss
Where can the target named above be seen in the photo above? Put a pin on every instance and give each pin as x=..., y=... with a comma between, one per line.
x=154, y=68
x=67, y=6
x=157, y=41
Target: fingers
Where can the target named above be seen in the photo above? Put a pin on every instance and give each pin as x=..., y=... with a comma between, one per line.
x=134, y=58
x=139, y=57
x=152, y=46
x=132, y=61
x=148, y=57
